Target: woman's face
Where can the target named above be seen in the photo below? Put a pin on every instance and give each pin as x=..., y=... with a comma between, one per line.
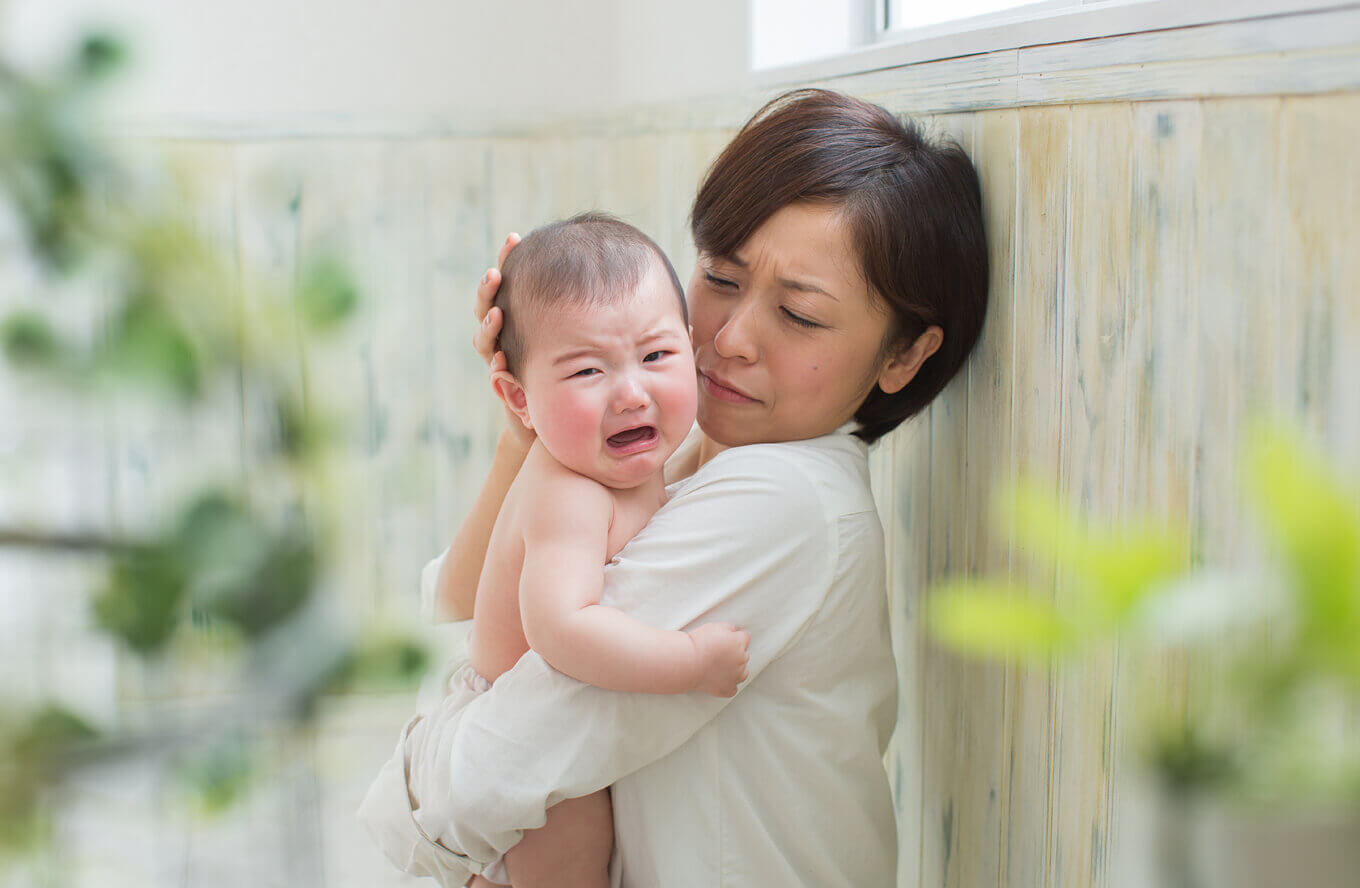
x=787, y=336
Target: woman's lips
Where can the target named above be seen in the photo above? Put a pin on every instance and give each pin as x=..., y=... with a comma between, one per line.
x=723, y=391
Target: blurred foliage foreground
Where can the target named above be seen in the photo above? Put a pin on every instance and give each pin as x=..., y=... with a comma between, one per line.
x=1269, y=650
x=223, y=569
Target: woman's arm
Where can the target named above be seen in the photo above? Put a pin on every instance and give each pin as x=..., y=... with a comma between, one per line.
x=750, y=545
x=456, y=587
x=456, y=590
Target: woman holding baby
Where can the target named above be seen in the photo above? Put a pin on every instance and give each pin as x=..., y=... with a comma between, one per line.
x=841, y=283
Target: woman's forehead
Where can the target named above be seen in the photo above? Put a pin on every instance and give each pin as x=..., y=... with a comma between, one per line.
x=805, y=247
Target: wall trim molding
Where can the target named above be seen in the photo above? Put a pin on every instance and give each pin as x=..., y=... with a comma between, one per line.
x=1300, y=53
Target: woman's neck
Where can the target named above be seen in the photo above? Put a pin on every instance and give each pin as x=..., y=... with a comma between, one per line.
x=708, y=448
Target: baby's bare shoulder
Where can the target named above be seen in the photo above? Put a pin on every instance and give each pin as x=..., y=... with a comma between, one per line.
x=550, y=496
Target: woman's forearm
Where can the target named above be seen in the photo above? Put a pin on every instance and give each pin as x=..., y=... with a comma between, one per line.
x=457, y=588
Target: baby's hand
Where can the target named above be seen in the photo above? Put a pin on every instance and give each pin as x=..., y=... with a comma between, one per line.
x=722, y=657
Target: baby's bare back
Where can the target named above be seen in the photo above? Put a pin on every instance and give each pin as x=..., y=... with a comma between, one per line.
x=498, y=641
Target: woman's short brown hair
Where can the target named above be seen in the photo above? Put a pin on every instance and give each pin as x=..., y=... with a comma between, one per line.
x=914, y=208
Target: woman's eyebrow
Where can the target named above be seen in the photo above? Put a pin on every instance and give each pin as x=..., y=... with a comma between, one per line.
x=786, y=283
x=806, y=287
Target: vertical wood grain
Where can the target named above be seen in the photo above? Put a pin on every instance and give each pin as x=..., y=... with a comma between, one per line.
x=340, y=197
x=962, y=756
x=1036, y=418
x=401, y=350
x=464, y=417
x=910, y=552
x=1237, y=304
x=1321, y=187
x=1161, y=428
x=1094, y=390
x=988, y=453
x=520, y=186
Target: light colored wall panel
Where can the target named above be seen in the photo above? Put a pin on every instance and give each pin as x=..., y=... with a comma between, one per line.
x=1094, y=390
x=341, y=196
x=1040, y=233
x=1321, y=186
x=464, y=416
x=963, y=759
x=909, y=550
x=396, y=251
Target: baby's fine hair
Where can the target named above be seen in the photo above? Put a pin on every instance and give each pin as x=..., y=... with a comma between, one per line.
x=589, y=259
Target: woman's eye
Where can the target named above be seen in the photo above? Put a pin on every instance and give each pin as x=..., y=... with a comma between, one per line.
x=716, y=281
x=799, y=319
x=654, y=356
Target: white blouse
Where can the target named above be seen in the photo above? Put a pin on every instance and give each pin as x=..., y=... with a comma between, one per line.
x=782, y=785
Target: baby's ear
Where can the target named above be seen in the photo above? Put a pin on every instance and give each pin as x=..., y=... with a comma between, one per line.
x=511, y=393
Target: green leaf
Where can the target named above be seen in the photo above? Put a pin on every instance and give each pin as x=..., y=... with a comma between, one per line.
x=220, y=774
x=276, y=585
x=327, y=294
x=140, y=604
x=146, y=343
x=52, y=730
x=1116, y=567
x=384, y=664
x=998, y=621
x=29, y=341
x=98, y=57
x=1314, y=523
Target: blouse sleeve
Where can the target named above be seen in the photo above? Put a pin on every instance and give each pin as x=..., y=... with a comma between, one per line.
x=746, y=542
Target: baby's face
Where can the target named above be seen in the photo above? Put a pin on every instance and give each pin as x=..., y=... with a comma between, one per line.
x=611, y=389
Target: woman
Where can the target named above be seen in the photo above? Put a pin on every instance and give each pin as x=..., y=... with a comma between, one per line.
x=841, y=282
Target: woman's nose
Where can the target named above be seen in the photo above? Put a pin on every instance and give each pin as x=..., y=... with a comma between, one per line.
x=736, y=338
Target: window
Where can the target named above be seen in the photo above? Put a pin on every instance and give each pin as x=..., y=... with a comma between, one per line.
x=902, y=15
x=810, y=39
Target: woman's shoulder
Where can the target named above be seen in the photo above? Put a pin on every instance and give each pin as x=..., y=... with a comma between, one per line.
x=830, y=472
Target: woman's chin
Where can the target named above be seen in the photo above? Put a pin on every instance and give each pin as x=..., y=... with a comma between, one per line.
x=729, y=429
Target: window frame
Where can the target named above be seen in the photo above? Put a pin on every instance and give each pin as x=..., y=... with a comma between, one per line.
x=1037, y=24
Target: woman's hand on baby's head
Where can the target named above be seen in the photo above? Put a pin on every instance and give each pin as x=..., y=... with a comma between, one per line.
x=723, y=658
x=489, y=331
x=483, y=309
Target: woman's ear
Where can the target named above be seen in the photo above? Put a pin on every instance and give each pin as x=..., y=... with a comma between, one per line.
x=511, y=393
x=901, y=368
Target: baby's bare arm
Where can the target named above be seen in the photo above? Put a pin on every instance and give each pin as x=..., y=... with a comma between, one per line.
x=564, y=556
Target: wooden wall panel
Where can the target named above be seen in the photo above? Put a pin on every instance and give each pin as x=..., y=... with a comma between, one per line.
x=1094, y=390
x=341, y=199
x=1321, y=188
x=465, y=418
x=908, y=535
x=988, y=447
x=963, y=756
x=1040, y=234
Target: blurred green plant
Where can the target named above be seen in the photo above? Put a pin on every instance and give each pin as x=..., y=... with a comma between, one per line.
x=1288, y=645
x=170, y=328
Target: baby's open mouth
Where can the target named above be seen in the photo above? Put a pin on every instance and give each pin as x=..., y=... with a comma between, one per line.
x=641, y=435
